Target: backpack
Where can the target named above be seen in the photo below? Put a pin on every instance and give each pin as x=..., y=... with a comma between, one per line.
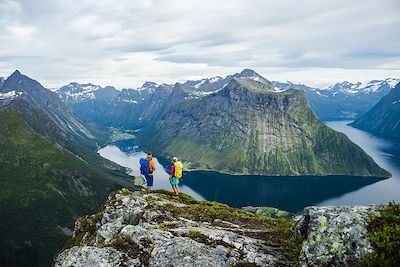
x=178, y=169
x=144, y=166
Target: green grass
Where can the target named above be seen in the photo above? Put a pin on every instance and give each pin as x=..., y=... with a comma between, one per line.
x=43, y=187
x=279, y=231
x=384, y=235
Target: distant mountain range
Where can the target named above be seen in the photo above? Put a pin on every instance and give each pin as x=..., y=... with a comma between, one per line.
x=384, y=118
x=195, y=116
x=344, y=100
x=341, y=101
x=50, y=172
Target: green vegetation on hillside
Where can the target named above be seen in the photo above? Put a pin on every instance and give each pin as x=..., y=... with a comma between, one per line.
x=315, y=148
x=385, y=237
x=43, y=189
x=383, y=119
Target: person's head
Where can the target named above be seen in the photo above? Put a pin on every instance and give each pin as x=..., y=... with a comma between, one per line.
x=149, y=155
x=174, y=159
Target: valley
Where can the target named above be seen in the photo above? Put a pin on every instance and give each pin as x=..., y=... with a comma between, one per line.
x=267, y=135
x=291, y=193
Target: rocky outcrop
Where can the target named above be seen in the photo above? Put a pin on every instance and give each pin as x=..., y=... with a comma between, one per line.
x=335, y=236
x=137, y=229
x=157, y=230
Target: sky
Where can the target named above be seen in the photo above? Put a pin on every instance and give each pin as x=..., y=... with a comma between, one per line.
x=126, y=42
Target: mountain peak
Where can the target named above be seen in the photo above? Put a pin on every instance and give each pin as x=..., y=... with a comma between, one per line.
x=17, y=76
x=248, y=73
x=250, y=84
x=16, y=73
x=20, y=83
x=149, y=84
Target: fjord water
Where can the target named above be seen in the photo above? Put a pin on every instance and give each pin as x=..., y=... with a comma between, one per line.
x=383, y=191
x=283, y=192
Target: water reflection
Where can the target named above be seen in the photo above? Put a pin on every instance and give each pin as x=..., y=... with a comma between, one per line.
x=287, y=193
x=284, y=192
x=379, y=193
x=127, y=154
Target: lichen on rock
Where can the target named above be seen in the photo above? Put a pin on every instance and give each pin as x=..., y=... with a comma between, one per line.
x=137, y=229
x=335, y=236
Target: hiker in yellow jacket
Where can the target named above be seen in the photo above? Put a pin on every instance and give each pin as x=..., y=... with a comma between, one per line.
x=175, y=174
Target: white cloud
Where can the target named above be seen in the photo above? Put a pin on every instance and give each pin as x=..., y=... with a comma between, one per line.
x=125, y=43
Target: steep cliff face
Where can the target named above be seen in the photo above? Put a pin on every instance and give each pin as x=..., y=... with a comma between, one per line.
x=136, y=229
x=249, y=128
x=134, y=108
x=384, y=118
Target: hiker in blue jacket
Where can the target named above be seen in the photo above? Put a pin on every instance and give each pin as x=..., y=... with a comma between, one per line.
x=147, y=167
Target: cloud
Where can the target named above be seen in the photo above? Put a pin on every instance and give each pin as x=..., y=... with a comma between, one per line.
x=127, y=42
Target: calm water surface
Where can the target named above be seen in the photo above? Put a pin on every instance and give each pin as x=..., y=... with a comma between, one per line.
x=284, y=192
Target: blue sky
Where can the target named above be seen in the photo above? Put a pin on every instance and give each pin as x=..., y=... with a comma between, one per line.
x=125, y=42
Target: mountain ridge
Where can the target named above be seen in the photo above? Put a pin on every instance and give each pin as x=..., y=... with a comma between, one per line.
x=341, y=100
x=249, y=128
x=46, y=183
x=384, y=118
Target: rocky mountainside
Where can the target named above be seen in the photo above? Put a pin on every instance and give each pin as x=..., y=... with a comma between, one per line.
x=343, y=100
x=108, y=107
x=155, y=229
x=214, y=84
x=43, y=188
x=384, y=118
x=89, y=102
x=134, y=108
x=26, y=96
x=339, y=101
x=50, y=117
x=85, y=92
x=1, y=81
x=249, y=128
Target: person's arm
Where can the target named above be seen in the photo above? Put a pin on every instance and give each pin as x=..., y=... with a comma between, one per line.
x=172, y=171
x=152, y=167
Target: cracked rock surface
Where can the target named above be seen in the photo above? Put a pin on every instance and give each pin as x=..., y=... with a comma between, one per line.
x=137, y=229
x=335, y=236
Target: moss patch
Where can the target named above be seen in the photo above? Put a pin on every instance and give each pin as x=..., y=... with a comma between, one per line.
x=277, y=232
x=384, y=235
x=126, y=245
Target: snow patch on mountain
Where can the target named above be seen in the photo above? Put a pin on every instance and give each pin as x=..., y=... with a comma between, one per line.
x=147, y=86
x=128, y=101
x=9, y=95
x=363, y=88
x=197, y=85
x=76, y=91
